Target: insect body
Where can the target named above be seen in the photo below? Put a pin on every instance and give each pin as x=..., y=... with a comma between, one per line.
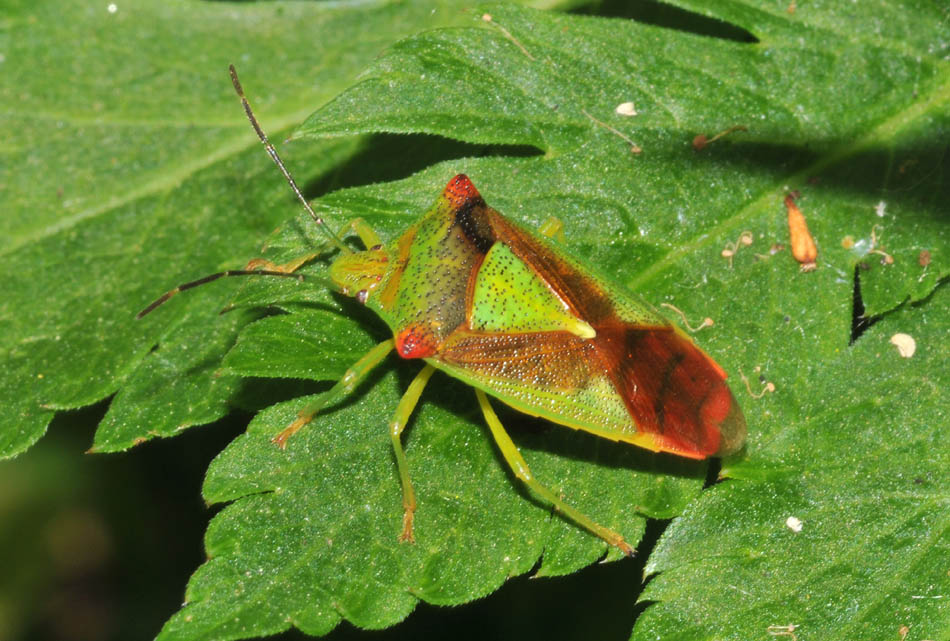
x=502, y=309
x=493, y=305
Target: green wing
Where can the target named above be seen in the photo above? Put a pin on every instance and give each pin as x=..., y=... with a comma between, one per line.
x=510, y=297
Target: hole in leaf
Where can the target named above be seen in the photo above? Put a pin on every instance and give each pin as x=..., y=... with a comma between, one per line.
x=669, y=17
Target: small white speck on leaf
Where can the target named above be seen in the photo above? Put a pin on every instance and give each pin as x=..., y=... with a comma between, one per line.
x=112, y=8
x=879, y=209
x=625, y=109
x=794, y=524
x=905, y=344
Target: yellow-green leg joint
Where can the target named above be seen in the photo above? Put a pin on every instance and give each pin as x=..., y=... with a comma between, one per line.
x=520, y=467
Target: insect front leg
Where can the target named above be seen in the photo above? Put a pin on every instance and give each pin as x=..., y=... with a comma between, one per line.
x=350, y=380
x=286, y=268
x=367, y=234
x=396, y=426
x=520, y=467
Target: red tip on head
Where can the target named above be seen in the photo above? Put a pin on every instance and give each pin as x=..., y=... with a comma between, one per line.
x=416, y=342
x=460, y=190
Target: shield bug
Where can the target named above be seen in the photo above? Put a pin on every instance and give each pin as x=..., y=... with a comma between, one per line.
x=504, y=310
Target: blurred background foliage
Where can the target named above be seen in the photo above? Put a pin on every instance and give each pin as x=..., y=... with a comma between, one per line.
x=100, y=547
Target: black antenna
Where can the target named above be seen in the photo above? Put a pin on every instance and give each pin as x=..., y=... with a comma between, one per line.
x=211, y=277
x=272, y=152
x=290, y=179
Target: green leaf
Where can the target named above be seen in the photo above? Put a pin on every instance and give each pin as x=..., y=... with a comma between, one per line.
x=792, y=326
x=865, y=459
x=315, y=345
x=332, y=500
x=847, y=104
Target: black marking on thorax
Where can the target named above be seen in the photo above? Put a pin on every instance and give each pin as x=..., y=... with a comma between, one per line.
x=472, y=219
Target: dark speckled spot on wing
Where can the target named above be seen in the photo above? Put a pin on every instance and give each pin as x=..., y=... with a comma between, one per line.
x=674, y=390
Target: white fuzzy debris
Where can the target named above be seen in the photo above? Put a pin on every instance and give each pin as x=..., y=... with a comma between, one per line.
x=794, y=524
x=879, y=209
x=112, y=8
x=905, y=344
x=625, y=109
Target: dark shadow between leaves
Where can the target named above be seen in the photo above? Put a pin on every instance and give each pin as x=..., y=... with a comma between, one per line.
x=390, y=157
x=914, y=172
x=258, y=393
x=713, y=469
x=106, y=541
x=668, y=17
x=596, y=600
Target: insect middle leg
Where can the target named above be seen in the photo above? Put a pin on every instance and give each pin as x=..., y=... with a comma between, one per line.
x=350, y=380
x=396, y=426
x=520, y=467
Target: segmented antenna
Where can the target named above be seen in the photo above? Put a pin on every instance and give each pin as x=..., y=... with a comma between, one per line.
x=272, y=152
x=290, y=179
x=211, y=277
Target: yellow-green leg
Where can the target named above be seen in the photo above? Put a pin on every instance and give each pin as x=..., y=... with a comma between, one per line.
x=287, y=268
x=396, y=426
x=520, y=468
x=351, y=378
x=367, y=235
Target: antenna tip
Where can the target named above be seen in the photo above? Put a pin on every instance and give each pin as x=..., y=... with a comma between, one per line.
x=235, y=81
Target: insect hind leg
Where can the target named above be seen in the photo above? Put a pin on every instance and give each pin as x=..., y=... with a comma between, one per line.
x=520, y=468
